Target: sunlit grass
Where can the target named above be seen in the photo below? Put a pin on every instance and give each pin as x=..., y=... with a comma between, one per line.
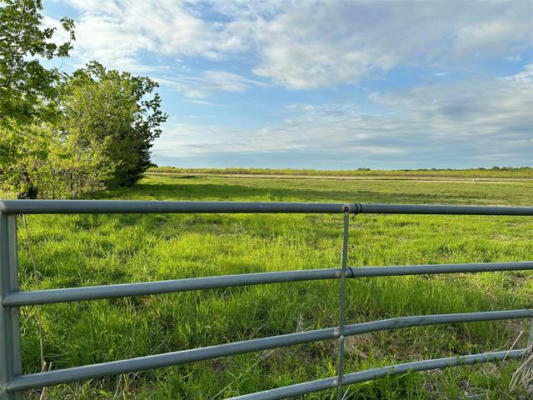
x=82, y=250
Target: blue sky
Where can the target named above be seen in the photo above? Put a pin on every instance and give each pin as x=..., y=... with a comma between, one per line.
x=323, y=84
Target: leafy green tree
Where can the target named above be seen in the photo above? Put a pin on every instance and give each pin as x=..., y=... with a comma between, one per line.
x=50, y=163
x=28, y=94
x=24, y=166
x=79, y=165
x=119, y=109
x=28, y=91
x=64, y=136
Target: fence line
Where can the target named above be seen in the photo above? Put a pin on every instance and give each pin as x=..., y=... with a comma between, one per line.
x=232, y=207
x=371, y=374
x=40, y=379
x=12, y=381
x=48, y=296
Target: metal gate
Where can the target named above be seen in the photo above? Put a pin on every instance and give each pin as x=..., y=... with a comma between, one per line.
x=13, y=382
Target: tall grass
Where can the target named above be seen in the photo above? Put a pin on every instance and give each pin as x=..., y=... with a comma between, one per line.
x=101, y=249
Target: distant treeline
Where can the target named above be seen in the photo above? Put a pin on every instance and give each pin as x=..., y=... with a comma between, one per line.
x=501, y=172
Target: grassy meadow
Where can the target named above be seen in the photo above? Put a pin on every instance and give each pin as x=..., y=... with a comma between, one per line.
x=493, y=174
x=77, y=250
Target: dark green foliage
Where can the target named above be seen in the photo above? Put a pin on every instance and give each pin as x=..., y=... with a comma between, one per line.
x=67, y=136
x=28, y=96
x=116, y=107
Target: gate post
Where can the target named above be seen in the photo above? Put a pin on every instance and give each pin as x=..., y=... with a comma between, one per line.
x=342, y=300
x=530, y=341
x=10, y=351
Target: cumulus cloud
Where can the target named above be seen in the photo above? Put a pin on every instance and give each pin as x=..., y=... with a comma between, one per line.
x=316, y=44
x=305, y=45
x=118, y=32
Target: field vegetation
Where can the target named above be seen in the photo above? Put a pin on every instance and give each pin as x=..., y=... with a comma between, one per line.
x=494, y=173
x=89, y=134
x=77, y=250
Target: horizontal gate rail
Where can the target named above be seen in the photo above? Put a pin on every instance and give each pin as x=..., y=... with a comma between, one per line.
x=430, y=269
x=48, y=296
x=145, y=207
x=223, y=350
x=371, y=374
x=12, y=381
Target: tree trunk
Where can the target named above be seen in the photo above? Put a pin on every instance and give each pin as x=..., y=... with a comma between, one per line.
x=31, y=191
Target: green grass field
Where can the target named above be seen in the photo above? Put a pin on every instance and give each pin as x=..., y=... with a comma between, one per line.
x=88, y=249
x=523, y=173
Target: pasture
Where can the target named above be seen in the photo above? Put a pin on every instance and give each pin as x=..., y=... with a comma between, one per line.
x=82, y=250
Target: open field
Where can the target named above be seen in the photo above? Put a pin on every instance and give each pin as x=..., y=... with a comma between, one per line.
x=85, y=249
x=496, y=174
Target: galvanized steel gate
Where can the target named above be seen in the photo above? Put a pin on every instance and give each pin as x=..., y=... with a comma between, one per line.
x=12, y=381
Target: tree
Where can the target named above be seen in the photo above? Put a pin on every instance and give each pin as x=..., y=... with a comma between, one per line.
x=49, y=163
x=117, y=108
x=27, y=89
x=28, y=93
x=24, y=166
x=79, y=165
x=60, y=135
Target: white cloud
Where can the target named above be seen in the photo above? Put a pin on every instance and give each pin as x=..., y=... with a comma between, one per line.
x=316, y=44
x=309, y=44
x=477, y=109
x=200, y=86
x=60, y=35
x=482, y=122
x=118, y=32
x=524, y=77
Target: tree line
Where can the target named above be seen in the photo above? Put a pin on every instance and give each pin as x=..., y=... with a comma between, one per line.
x=66, y=135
